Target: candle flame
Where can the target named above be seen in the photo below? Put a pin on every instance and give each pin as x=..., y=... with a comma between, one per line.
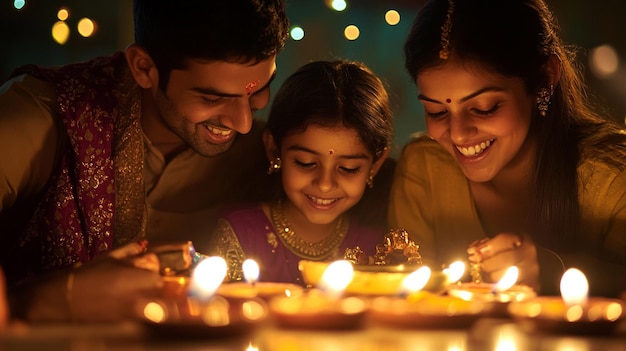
x=250, y=270
x=574, y=287
x=508, y=279
x=417, y=280
x=455, y=271
x=337, y=276
x=208, y=276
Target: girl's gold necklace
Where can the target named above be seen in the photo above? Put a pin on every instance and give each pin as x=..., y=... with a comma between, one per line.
x=316, y=251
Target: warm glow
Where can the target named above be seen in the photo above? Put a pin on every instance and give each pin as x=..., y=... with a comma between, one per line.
x=351, y=32
x=604, y=61
x=337, y=276
x=508, y=279
x=455, y=271
x=60, y=32
x=154, y=312
x=86, y=27
x=63, y=14
x=297, y=33
x=417, y=280
x=250, y=270
x=207, y=277
x=574, y=287
x=392, y=17
x=252, y=348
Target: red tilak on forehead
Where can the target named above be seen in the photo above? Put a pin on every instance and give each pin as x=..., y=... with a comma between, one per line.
x=250, y=86
x=331, y=151
x=448, y=100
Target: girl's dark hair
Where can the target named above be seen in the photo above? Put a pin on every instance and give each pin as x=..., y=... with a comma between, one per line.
x=234, y=30
x=516, y=38
x=325, y=93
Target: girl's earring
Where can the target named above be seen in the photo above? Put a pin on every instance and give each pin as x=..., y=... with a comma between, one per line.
x=370, y=181
x=275, y=165
x=543, y=100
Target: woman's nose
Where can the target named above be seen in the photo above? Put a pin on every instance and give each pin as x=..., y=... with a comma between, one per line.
x=461, y=128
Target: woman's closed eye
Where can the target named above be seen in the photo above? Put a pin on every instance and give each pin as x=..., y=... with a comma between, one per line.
x=305, y=165
x=487, y=112
x=437, y=114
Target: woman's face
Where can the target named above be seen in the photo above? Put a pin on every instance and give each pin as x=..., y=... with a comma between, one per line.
x=482, y=119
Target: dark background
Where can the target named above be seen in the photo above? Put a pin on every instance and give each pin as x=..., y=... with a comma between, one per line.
x=25, y=38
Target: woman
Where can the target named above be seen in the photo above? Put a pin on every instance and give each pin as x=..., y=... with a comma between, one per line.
x=515, y=160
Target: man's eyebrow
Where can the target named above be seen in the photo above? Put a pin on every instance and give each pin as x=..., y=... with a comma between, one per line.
x=215, y=92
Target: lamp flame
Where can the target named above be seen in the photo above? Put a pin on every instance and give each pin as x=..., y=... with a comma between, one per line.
x=250, y=270
x=417, y=280
x=455, y=271
x=207, y=277
x=508, y=279
x=574, y=287
x=337, y=276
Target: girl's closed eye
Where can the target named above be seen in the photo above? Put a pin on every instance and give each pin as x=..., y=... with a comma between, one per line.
x=351, y=170
x=211, y=100
x=306, y=165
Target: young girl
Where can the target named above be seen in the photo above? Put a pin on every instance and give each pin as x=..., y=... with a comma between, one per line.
x=515, y=159
x=328, y=134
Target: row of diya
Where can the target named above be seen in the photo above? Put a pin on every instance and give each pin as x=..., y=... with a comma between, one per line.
x=343, y=297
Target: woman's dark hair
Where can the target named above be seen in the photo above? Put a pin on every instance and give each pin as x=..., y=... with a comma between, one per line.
x=234, y=30
x=328, y=94
x=516, y=38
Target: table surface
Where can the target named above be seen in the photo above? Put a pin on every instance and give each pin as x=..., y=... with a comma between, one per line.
x=484, y=334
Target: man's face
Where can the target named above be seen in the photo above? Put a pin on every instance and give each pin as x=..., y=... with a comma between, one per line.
x=207, y=104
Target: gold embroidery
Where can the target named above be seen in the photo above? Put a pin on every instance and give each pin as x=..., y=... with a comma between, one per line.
x=320, y=250
x=271, y=239
x=224, y=243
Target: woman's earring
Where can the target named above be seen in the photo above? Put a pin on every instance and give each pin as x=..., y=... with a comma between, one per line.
x=543, y=100
x=275, y=165
x=370, y=181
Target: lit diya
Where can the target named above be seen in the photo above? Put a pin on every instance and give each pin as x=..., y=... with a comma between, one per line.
x=415, y=308
x=382, y=274
x=253, y=288
x=324, y=307
x=202, y=314
x=496, y=296
x=573, y=312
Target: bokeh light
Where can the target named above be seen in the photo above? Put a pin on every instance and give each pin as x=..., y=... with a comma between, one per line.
x=86, y=27
x=603, y=61
x=338, y=5
x=60, y=32
x=19, y=4
x=351, y=32
x=297, y=33
x=63, y=14
x=392, y=17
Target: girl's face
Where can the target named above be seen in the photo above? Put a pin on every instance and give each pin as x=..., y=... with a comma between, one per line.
x=325, y=171
x=482, y=119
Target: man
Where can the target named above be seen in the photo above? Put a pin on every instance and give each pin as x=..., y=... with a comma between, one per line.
x=146, y=144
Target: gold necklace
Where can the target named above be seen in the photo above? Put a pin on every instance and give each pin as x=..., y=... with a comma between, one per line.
x=312, y=251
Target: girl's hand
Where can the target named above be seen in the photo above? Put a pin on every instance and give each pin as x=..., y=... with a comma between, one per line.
x=497, y=254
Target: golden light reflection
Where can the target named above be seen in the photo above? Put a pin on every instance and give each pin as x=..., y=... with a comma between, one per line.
x=392, y=17
x=86, y=27
x=154, y=312
x=63, y=14
x=60, y=32
x=604, y=61
x=351, y=32
x=253, y=310
x=251, y=347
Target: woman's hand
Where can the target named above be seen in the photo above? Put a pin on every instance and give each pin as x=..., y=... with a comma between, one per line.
x=497, y=254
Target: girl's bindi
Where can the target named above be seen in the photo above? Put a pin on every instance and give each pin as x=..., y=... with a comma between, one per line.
x=331, y=152
x=250, y=86
x=448, y=100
